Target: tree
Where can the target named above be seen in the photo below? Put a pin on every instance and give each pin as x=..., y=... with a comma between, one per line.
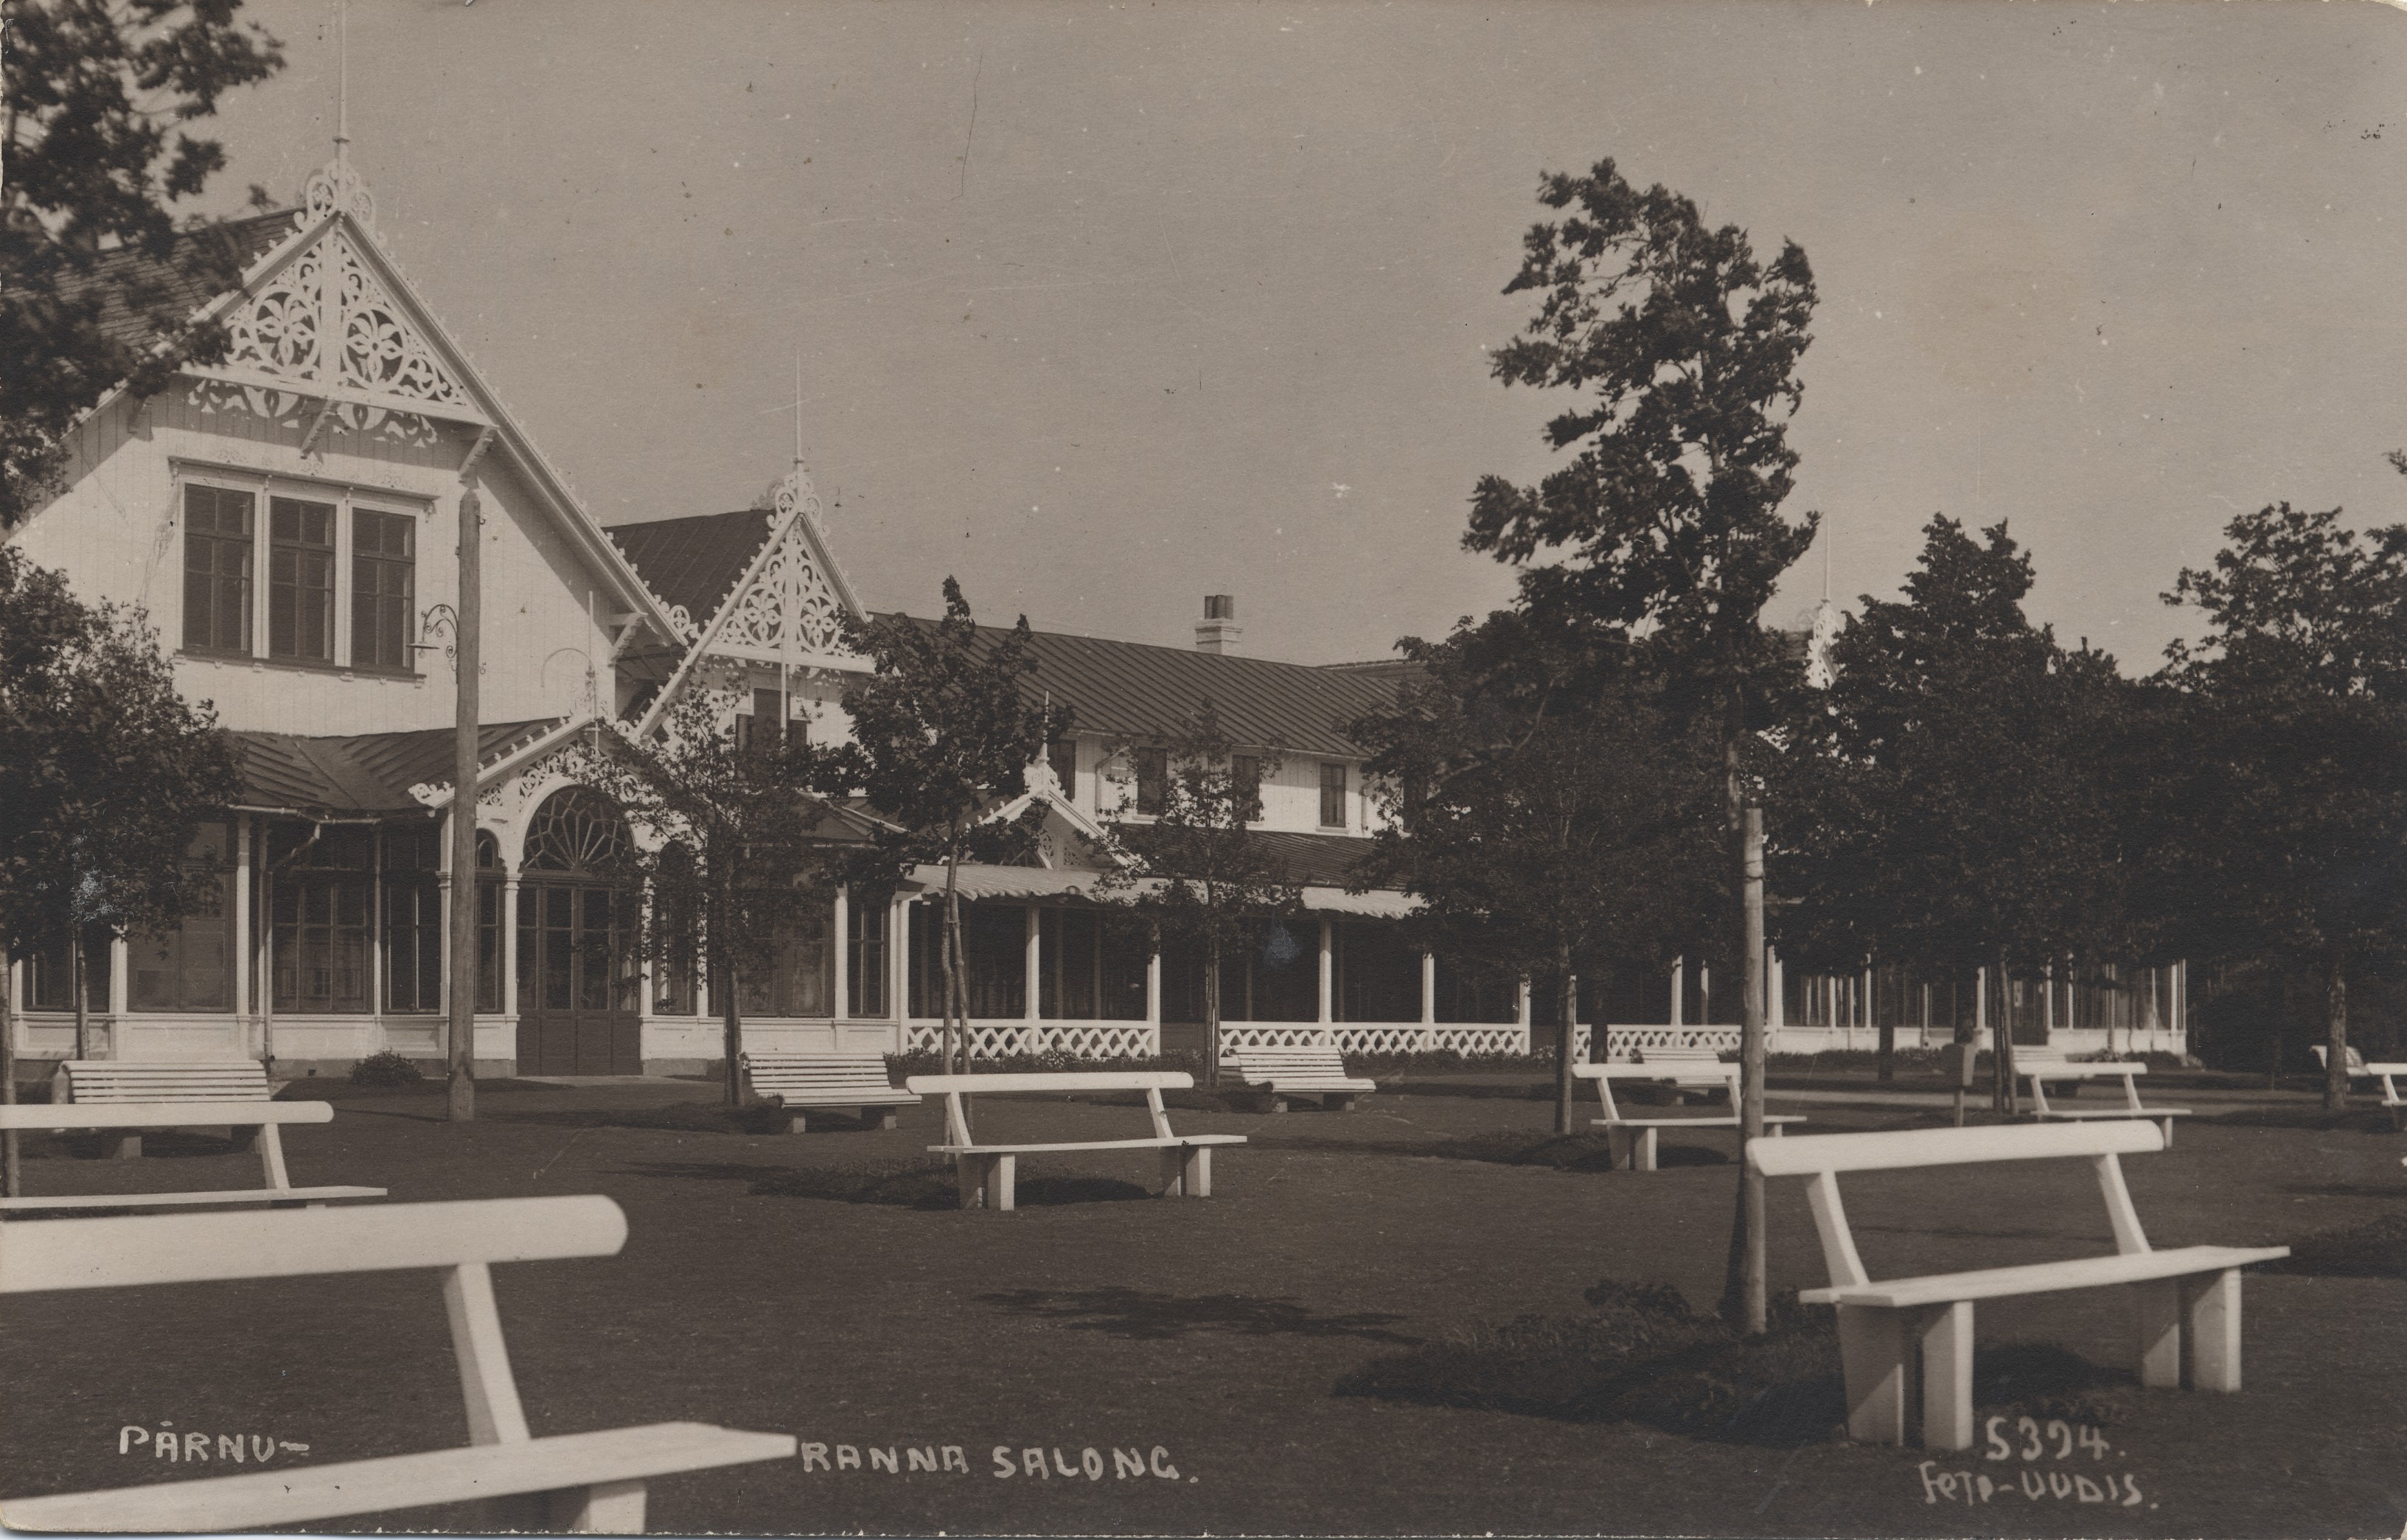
x=1950, y=807
x=1191, y=869
x=737, y=849
x=1666, y=521
x=95, y=90
x=1547, y=815
x=941, y=731
x=2295, y=806
x=106, y=773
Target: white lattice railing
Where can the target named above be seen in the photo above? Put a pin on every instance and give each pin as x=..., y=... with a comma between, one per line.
x=1374, y=1036
x=1076, y=1039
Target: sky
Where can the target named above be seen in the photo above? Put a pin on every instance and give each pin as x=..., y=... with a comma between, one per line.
x=1103, y=308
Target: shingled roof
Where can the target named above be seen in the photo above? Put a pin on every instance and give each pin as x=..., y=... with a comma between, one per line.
x=175, y=277
x=1135, y=688
x=695, y=561
x=360, y=774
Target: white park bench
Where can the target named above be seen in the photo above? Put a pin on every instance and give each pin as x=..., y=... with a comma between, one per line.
x=97, y=1081
x=585, y=1482
x=2038, y=1071
x=1630, y=1140
x=2386, y=1073
x=2188, y=1299
x=988, y=1173
x=257, y=1118
x=855, y=1082
x=1301, y=1071
x=2323, y=1056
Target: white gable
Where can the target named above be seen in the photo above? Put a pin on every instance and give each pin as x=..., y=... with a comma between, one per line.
x=789, y=606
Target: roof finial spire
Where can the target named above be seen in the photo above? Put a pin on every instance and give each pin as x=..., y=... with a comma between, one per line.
x=342, y=83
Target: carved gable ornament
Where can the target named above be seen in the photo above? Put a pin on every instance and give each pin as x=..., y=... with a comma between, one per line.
x=790, y=607
x=326, y=324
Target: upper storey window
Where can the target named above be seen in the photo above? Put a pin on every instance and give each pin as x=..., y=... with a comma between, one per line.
x=301, y=580
x=264, y=573
x=217, y=569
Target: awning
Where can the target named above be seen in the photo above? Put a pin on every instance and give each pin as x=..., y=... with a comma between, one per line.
x=975, y=881
x=1378, y=904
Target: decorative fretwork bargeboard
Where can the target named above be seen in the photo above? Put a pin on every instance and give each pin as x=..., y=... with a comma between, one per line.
x=790, y=610
x=325, y=322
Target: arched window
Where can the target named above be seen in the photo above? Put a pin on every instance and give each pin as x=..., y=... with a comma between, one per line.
x=576, y=831
x=677, y=920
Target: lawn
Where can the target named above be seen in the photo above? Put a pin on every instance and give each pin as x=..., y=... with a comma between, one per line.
x=1286, y=1349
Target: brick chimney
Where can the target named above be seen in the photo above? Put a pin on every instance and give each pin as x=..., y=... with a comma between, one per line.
x=1220, y=630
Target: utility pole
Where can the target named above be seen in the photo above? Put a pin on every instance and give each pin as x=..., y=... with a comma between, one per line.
x=1750, y=1077
x=462, y=1103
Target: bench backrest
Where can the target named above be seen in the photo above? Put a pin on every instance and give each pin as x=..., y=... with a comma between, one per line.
x=1677, y=1056
x=816, y=1069
x=1292, y=1064
x=53, y=1116
x=1062, y=1080
x=118, y=1081
x=1691, y=1073
x=954, y=1087
x=462, y=1238
x=1823, y=1156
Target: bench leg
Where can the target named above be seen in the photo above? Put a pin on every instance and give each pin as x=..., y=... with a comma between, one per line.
x=607, y=1507
x=1186, y=1172
x=1871, y=1354
x=1643, y=1150
x=1342, y=1102
x=2169, y=1131
x=2211, y=1329
x=1002, y=1181
x=2157, y=1306
x=796, y=1123
x=128, y=1147
x=1947, y=1335
x=877, y=1118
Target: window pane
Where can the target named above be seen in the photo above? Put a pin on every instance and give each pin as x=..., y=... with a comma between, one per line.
x=1332, y=796
x=301, y=579
x=217, y=569
x=190, y=968
x=383, y=588
x=865, y=975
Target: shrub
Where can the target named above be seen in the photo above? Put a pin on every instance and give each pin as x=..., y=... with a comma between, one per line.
x=386, y=1068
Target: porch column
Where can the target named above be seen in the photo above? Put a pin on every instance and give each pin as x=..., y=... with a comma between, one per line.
x=1522, y=1008
x=376, y=962
x=1153, y=992
x=2047, y=1001
x=1679, y=966
x=1327, y=972
x=242, y=925
x=1980, y=1003
x=1429, y=989
x=119, y=955
x=898, y=955
x=1775, y=980
x=841, y=1006
x=506, y=944
x=1034, y=958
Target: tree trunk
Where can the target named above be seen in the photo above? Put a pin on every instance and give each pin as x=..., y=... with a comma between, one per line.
x=460, y=997
x=723, y=985
x=957, y=1005
x=1212, y=1011
x=2336, y=1033
x=1566, y=1039
x=2002, y=1044
x=2281, y=1017
x=77, y=985
x=8, y=1174
x=1884, y=1042
x=1744, y=1299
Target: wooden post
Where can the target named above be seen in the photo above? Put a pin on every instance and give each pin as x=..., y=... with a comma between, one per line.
x=8, y=975
x=461, y=1104
x=1751, y=1070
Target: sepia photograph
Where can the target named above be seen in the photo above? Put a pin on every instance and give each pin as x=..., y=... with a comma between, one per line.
x=901, y=768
